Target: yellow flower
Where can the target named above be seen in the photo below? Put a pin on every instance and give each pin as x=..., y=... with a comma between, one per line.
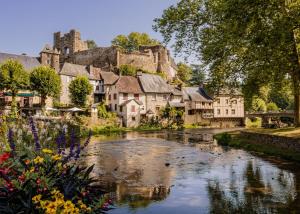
x=38, y=160
x=36, y=199
x=47, y=151
x=31, y=169
x=51, y=208
x=56, y=157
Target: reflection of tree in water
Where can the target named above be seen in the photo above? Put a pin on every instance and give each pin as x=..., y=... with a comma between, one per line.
x=257, y=196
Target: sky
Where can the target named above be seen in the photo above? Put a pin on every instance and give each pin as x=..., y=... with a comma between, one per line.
x=27, y=25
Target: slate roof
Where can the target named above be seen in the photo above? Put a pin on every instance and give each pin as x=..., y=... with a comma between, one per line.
x=128, y=84
x=79, y=70
x=176, y=104
x=27, y=61
x=152, y=83
x=109, y=78
x=196, y=94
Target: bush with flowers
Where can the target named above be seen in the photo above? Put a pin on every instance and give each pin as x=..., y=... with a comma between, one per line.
x=39, y=177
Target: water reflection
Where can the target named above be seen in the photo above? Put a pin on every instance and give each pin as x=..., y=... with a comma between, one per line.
x=185, y=172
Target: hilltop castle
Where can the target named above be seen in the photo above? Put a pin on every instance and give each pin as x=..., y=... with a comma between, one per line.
x=72, y=49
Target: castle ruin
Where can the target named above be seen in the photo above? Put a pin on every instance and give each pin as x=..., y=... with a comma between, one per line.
x=71, y=48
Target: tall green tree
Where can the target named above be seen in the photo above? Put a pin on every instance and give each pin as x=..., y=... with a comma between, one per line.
x=13, y=78
x=239, y=39
x=79, y=90
x=198, y=75
x=46, y=82
x=184, y=72
x=133, y=41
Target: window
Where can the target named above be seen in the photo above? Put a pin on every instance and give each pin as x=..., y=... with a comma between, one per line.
x=227, y=101
x=116, y=107
x=153, y=97
x=203, y=103
x=209, y=104
x=121, y=108
x=218, y=111
x=226, y=111
x=233, y=111
x=234, y=101
x=218, y=101
x=165, y=97
x=125, y=96
x=48, y=61
x=97, y=87
x=115, y=96
x=137, y=96
x=109, y=107
x=132, y=108
x=133, y=118
x=109, y=97
x=191, y=112
x=157, y=108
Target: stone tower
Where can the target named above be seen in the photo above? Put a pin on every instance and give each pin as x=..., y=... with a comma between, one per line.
x=50, y=57
x=69, y=43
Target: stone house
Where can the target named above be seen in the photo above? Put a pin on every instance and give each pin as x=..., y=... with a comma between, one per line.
x=198, y=106
x=108, y=79
x=229, y=108
x=70, y=48
x=70, y=71
x=127, y=99
x=25, y=98
x=157, y=92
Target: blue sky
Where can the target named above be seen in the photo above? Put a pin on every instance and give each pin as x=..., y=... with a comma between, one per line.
x=27, y=25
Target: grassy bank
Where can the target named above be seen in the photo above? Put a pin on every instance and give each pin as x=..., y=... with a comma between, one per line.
x=102, y=130
x=236, y=140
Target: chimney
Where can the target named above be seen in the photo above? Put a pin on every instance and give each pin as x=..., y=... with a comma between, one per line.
x=139, y=74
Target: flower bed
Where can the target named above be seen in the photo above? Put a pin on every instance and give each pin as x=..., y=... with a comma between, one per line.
x=39, y=177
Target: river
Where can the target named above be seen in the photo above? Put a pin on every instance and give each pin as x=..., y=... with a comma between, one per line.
x=187, y=172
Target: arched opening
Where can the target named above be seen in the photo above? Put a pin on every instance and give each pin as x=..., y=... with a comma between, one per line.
x=66, y=50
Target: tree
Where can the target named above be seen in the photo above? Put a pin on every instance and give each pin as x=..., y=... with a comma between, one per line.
x=46, y=82
x=198, y=75
x=184, y=72
x=91, y=44
x=258, y=104
x=127, y=70
x=79, y=89
x=13, y=78
x=272, y=107
x=133, y=41
x=239, y=40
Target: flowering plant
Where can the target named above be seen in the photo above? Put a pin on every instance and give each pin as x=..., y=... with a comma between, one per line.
x=41, y=179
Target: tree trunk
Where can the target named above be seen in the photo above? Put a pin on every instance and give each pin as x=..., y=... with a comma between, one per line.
x=296, y=81
x=43, y=101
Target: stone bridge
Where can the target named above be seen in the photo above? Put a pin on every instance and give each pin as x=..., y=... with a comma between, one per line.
x=268, y=116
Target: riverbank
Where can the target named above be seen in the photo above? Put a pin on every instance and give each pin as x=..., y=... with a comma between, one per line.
x=283, y=143
x=102, y=130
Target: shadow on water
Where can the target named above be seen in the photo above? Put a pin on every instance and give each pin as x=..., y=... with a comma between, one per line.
x=187, y=172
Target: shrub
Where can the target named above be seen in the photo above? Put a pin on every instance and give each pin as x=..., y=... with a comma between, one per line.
x=80, y=88
x=128, y=70
x=224, y=139
x=272, y=107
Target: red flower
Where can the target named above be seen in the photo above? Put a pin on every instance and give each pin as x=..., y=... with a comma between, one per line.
x=4, y=157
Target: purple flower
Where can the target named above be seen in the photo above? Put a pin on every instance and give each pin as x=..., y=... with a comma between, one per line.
x=11, y=140
x=77, y=150
x=88, y=140
x=72, y=144
x=35, y=134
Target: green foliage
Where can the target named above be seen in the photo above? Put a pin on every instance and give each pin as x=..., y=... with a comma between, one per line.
x=13, y=78
x=133, y=41
x=127, y=70
x=238, y=40
x=224, y=139
x=198, y=75
x=91, y=44
x=258, y=105
x=46, y=82
x=79, y=89
x=173, y=116
x=272, y=107
x=184, y=72
x=253, y=122
x=103, y=113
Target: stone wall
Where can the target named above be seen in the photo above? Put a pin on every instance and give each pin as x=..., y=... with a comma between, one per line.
x=101, y=57
x=143, y=61
x=273, y=141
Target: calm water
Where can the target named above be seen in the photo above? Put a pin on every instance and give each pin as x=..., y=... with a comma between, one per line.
x=185, y=172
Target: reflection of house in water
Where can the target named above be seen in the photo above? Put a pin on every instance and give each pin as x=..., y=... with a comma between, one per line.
x=132, y=170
